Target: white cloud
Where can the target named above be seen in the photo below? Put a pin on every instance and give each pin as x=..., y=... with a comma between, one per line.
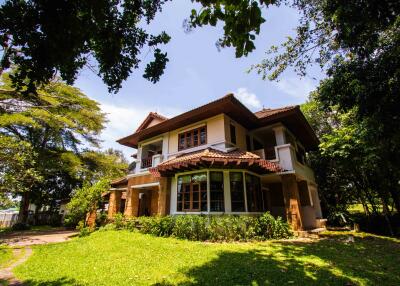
x=247, y=98
x=296, y=87
x=123, y=121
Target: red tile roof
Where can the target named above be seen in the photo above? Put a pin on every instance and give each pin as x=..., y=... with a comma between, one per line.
x=215, y=158
x=122, y=180
x=266, y=112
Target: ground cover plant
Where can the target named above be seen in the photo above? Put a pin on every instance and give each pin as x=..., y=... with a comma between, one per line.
x=132, y=258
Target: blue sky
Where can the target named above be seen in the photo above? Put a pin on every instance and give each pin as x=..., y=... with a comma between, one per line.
x=198, y=73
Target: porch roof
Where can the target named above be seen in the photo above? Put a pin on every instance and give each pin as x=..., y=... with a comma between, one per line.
x=119, y=181
x=211, y=158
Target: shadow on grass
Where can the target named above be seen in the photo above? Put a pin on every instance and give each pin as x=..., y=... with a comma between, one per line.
x=338, y=261
x=57, y=282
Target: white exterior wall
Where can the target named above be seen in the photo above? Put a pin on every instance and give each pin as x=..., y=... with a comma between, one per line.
x=241, y=133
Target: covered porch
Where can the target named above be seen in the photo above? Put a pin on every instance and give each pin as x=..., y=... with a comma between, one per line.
x=142, y=195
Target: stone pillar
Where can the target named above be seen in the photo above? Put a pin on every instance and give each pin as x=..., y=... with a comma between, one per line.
x=163, y=196
x=132, y=202
x=292, y=201
x=154, y=201
x=115, y=203
x=128, y=202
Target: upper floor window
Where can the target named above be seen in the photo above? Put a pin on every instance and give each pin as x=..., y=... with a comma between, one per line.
x=192, y=138
x=233, y=133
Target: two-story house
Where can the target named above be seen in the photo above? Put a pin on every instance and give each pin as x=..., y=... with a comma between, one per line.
x=221, y=158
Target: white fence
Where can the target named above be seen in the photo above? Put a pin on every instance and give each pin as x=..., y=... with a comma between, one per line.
x=8, y=219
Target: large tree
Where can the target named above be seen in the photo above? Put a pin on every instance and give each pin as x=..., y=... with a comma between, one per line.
x=357, y=43
x=45, y=38
x=42, y=134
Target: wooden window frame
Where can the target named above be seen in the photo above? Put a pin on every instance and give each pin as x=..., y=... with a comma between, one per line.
x=190, y=134
x=212, y=192
x=191, y=192
x=243, y=202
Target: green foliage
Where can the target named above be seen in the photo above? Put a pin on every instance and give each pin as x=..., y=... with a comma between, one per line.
x=86, y=199
x=111, y=33
x=41, y=138
x=269, y=227
x=348, y=166
x=83, y=230
x=119, y=221
x=18, y=161
x=202, y=228
x=241, y=21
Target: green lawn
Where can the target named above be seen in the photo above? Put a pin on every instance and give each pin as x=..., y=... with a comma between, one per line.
x=5, y=255
x=125, y=258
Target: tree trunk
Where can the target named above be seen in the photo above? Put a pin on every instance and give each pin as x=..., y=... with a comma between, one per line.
x=366, y=209
x=24, y=208
x=385, y=211
x=396, y=199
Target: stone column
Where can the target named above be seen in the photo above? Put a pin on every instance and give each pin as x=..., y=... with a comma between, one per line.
x=115, y=203
x=128, y=202
x=132, y=202
x=163, y=196
x=292, y=201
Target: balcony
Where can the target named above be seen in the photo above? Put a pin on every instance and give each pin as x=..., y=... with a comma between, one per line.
x=146, y=163
x=152, y=161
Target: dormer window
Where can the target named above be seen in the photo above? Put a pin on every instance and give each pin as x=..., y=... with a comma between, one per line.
x=192, y=138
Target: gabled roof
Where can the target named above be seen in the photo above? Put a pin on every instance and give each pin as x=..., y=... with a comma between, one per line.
x=217, y=159
x=267, y=112
x=290, y=116
x=151, y=117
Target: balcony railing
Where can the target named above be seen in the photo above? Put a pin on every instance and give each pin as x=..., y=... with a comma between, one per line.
x=146, y=163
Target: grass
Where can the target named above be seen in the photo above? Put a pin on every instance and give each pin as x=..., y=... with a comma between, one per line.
x=126, y=258
x=6, y=255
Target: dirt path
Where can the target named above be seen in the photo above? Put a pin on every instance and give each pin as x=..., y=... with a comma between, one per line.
x=21, y=241
x=6, y=274
x=26, y=238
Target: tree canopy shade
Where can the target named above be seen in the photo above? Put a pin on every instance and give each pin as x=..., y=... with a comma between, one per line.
x=44, y=37
x=41, y=138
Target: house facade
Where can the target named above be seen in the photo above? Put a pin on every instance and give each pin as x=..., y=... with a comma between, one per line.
x=221, y=158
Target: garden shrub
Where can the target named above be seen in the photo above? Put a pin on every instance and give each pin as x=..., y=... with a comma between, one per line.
x=269, y=227
x=214, y=228
x=202, y=228
x=109, y=226
x=83, y=230
x=21, y=226
x=119, y=221
x=192, y=227
x=101, y=218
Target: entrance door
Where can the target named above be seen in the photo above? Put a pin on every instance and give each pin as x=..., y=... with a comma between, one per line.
x=191, y=197
x=143, y=211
